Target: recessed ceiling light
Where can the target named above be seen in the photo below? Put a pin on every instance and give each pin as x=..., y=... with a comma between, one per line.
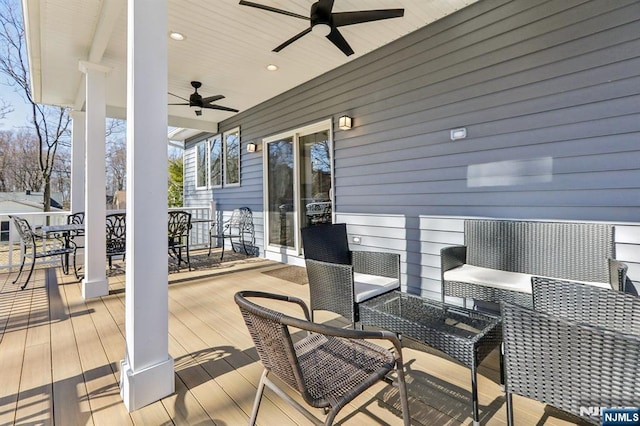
x=272, y=67
x=176, y=36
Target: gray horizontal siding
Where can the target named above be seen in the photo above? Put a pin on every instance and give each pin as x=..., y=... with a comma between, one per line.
x=419, y=241
x=551, y=80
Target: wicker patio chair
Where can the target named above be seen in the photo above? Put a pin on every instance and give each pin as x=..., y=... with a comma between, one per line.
x=238, y=227
x=178, y=233
x=76, y=238
x=341, y=279
x=579, y=350
x=328, y=366
x=116, y=236
x=34, y=246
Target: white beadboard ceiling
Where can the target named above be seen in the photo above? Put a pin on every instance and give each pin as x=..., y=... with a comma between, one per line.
x=227, y=48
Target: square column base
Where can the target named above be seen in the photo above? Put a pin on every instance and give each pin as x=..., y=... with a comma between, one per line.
x=95, y=288
x=140, y=388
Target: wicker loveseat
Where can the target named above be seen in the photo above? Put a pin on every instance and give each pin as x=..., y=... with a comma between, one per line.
x=500, y=257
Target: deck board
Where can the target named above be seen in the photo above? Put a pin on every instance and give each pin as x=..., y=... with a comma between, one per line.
x=60, y=360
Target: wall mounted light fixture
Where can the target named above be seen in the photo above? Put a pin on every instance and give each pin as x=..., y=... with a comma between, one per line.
x=344, y=122
x=252, y=147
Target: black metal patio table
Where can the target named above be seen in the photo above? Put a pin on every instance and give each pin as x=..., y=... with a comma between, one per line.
x=465, y=335
x=62, y=233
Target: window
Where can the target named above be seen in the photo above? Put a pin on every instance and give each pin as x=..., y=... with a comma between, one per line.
x=4, y=231
x=201, y=165
x=218, y=160
x=232, y=157
x=215, y=161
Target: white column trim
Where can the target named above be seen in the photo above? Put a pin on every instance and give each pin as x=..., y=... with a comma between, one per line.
x=95, y=281
x=147, y=371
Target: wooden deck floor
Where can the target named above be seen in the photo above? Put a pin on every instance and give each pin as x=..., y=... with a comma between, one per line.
x=59, y=360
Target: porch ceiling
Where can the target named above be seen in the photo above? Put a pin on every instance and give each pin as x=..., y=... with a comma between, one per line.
x=227, y=48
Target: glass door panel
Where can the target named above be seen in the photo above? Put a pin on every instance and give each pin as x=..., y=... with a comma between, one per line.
x=280, y=190
x=315, y=178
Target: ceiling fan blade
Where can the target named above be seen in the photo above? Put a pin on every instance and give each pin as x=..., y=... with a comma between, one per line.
x=179, y=97
x=213, y=98
x=179, y=104
x=336, y=38
x=292, y=39
x=220, y=107
x=272, y=9
x=341, y=19
x=327, y=5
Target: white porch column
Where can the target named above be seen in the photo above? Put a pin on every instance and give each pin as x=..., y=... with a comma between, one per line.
x=147, y=371
x=95, y=282
x=78, y=149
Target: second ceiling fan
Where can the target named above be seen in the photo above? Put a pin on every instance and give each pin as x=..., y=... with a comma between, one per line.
x=325, y=22
x=196, y=100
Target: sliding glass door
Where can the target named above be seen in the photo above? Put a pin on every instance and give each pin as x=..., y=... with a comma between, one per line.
x=280, y=192
x=298, y=184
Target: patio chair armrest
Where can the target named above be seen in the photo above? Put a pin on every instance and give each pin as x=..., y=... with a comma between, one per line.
x=376, y=263
x=278, y=297
x=452, y=257
x=617, y=274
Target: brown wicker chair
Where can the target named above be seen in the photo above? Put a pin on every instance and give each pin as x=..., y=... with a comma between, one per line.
x=329, y=366
x=579, y=350
x=341, y=279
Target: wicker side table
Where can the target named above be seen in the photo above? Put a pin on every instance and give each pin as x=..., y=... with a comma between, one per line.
x=465, y=335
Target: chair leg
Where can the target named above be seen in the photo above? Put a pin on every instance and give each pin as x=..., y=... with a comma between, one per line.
x=21, y=268
x=33, y=264
x=402, y=388
x=509, y=409
x=75, y=265
x=258, y=399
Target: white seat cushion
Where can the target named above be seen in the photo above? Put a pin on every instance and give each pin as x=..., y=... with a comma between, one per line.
x=505, y=280
x=367, y=286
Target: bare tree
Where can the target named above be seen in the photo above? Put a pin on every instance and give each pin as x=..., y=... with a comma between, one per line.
x=116, y=165
x=5, y=109
x=50, y=123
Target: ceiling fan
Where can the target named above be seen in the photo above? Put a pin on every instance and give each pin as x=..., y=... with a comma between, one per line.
x=326, y=23
x=196, y=100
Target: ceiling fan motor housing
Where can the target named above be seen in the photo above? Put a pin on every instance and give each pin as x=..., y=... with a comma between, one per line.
x=320, y=16
x=195, y=99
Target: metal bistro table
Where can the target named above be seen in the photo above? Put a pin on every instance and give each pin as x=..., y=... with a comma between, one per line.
x=465, y=335
x=62, y=233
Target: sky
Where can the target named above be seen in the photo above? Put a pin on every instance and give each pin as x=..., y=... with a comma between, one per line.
x=20, y=115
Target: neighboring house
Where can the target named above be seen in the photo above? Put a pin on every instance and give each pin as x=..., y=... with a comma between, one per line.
x=549, y=96
x=22, y=202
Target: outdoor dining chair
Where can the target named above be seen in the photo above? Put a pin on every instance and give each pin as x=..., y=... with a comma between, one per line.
x=238, y=227
x=35, y=247
x=116, y=230
x=341, y=279
x=328, y=366
x=178, y=234
x=76, y=238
